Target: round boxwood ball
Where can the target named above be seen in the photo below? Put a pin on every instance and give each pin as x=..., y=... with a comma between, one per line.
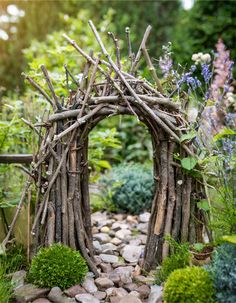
x=57, y=265
x=189, y=285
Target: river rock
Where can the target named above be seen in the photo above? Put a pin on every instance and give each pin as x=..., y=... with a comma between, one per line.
x=131, y=253
x=103, y=283
x=144, y=217
x=29, y=292
x=105, y=229
x=108, y=247
x=41, y=300
x=109, y=258
x=102, y=237
x=100, y=295
x=143, y=227
x=106, y=267
x=86, y=298
x=74, y=290
x=144, y=291
x=56, y=295
x=123, y=234
x=130, y=299
x=89, y=285
x=116, y=241
x=155, y=294
x=18, y=278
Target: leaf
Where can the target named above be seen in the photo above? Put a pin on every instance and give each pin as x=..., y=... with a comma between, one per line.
x=104, y=164
x=203, y=204
x=188, y=163
x=224, y=132
x=198, y=246
x=231, y=239
x=188, y=136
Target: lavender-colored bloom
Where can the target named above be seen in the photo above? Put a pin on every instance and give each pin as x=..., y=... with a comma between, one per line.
x=166, y=62
x=192, y=82
x=206, y=73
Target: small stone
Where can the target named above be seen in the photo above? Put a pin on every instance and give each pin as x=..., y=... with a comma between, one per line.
x=135, y=242
x=105, y=229
x=18, y=278
x=56, y=295
x=131, y=253
x=130, y=286
x=143, y=227
x=142, y=279
x=114, y=277
x=29, y=292
x=74, y=290
x=137, y=270
x=103, y=283
x=97, y=246
x=106, y=267
x=86, y=298
x=41, y=300
x=144, y=218
x=130, y=299
x=108, y=247
x=98, y=217
x=118, y=217
x=89, y=285
x=144, y=291
x=100, y=295
x=135, y=293
x=131, y=219
x=95, y=230
x=119, y=292
x=155, y=294
x=109, y=258
x=143, y=238
x=123, y=234
x=116, y=241
x=102, y=237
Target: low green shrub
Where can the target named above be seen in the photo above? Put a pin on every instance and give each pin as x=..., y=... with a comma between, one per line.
x=57, y=265
x=179, y=258
x=130, y=187
x=223, y=271
x=189, y=285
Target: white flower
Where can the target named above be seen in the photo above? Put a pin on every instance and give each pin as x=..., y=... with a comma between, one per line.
x=206, y=58
x=180, y=182
x=195, y=57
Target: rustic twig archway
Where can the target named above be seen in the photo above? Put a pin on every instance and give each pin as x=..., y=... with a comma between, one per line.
x=61, y=167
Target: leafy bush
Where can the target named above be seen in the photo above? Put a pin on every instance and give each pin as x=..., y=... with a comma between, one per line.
x=130, y=187
x=190, y=284
x=223, y=271
x=57, y=265
x=180, y=258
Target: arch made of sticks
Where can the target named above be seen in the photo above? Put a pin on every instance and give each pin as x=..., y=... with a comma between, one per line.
x=60, y=170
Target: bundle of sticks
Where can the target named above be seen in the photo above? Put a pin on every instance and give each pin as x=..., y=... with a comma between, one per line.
x=60, y=168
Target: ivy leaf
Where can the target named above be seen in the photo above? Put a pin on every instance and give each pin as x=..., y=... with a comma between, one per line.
x=188, y=136
x=224, y=132
x=203, y=204
x=231, y=239
x=188, y=163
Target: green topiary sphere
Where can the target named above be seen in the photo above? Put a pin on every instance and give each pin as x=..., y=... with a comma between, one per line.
x=57, y=265
x=189, y=285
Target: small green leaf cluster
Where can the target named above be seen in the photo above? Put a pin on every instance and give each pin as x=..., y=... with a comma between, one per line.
x=189, y=285
x=130, y=187
x=223, y=271
x=57, y=265
x=180, y=258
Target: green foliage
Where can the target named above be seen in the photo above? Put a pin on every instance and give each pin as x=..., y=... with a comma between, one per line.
x=198, y=29
x=130, y=187
x=188, y=163
x=57, y=265
x=10, y=262
x=223, y=271
x=5, y=290
x=179, y=258
x=190, y=284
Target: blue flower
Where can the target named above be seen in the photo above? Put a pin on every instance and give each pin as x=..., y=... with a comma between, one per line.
x=206, y=73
